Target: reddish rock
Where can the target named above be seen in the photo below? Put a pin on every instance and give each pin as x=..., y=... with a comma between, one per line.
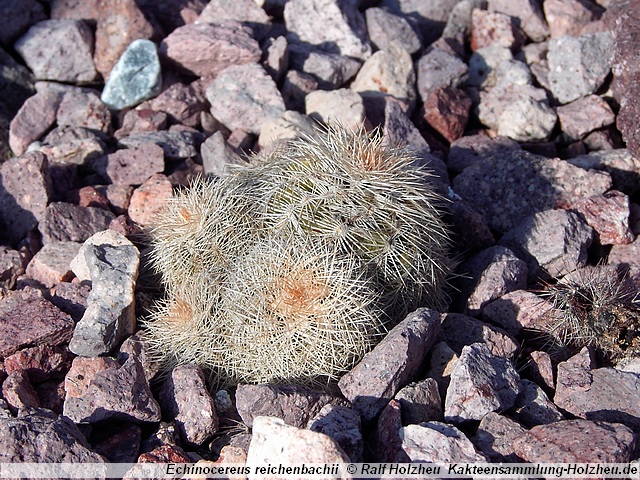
x=51, y=395
x=447, y=110
x=118, y=444
x=567, y=17
x=607, y=214
x=51, y=265
x=71, y=298
x=460, y=330
x=149, y=199
x=12, y=265
x=494, y=28
x=133, y=166
x=518, y=310
x=173, y=13
x=442, y=359
x=68, y=222
x=87, y=10
x=584, y=115
x=40, y=363
x=181, y=103
x=420, y=402
x=467, y=150
x=27, y=319
x=438, y=68
x=342, y=424
x=247, y=12
x=207, y=49
x=528, y=13
x=165, y=454
x=18, y=392
x=576, y=441
x=91, y=197
x=541, y=370
x=141, y=120
x=386, y=441
x=35, y=117
x=120, y=22
x=17, y=17
x=84, y=109
x=436, y=442
x=119, y=196
x=494, y=437
x=125, y=226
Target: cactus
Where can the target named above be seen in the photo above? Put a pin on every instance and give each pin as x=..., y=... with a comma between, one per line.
x=593, y=306
x=290, y=268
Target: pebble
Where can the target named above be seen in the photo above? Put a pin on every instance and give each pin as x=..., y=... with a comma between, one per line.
x=149, y=199
x=459, y=20
x=135, y=77
x=72, y=59
x=244, y=97
x=494, y=437
x=490, y=274
x=512, y=72
x=68, y=222
x=246, y=12
x=177, y=145
x=579, y=65
x=438, y=68
x=34, y=118
x=436, y=442
x=447, y=110
x=608, y=214
x=294, y=404
x=207, y=49
x=576, y=441
x=216, y=154
x=24, y=194
x=552, y=243
x=83, y=109
x=337, y=27
x=184, y=399
x=51, y=265
x=497, y=186
x=28, y=320
x=41, y=436
x=342, y=424
x=480, y=383
x=99, y=389
x=392, y=364
x=459, y=330
x=343, y=106
x=385, y=28
x=528, y=12
x=41, y=363
x=420, y=402
x=584, y=115
x=132, y=166
x=329, y=70
x=72, y=145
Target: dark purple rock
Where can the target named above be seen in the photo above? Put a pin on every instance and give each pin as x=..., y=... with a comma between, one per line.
x=460, y=330
x=44, y=362
x=420, y=402
x=119, y=444
x=68, y=222
x=343, y=425
x=17, y=16
x=494, y=437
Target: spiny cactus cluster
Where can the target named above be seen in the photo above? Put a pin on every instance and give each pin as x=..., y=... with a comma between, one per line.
x=593, y=306
x=290, y=268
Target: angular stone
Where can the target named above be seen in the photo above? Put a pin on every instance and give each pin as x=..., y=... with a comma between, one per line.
x=579, y=65
x=105, y=392
x=27, y=320
x=494, y=28
x=71, y=298
x=608, y=214
x=182, y=103
x=67, y=145
x=480, y=383
x=12, y=265
x=385, y=28
x=243, y=97
x=533, y=407
x=294, y=404
x=295, y=86
x=207, y=49
x=276, y=57
x=88, y=10
x=552, y=243
x=567, y=17
x=44, y=437
x=149, y=199
x=82, y=109
x=19, y=393
x=483, y=64
x=246, y=12
x=436, y=442
x=217, y=154
x=343, y=106
x=438, y=68
x=513, y=72
x=528, y=13
x=177, y=145
x=492, y=273
x=118, y=444
x=35, y=117
x=133, y=166
x=392, y=364
x=90, y=197
x=329, y=70
x=342, y=424
x=79, y=264
x=420, y=402
x=71, y=61
x=120, y=22
x=470, y=149
x=110, y=314
x=623, y=167
x=496, y=186
x=430, y=17
x=447, y=110
x=460, y=330
x=517, y=310
x=584, y=115
x=289, y=126
x=41, y=363
x=17, y=17
x=335, y=26
x=494, y=437
x=468, y=228
x=24, y=194
x=576, y=441
x=185, y=399
x=135, y=77
x=172, y=13
x=541, y=370
x=52, y=264
x=275, y=441
x=68, y=222
x=386, y=440
x=442, y=359
x=141, y=120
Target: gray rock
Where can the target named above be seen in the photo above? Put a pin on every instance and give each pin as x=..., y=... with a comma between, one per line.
x=623, y=167
x=295, y=86
x=24, y=194
x=71, y=298
x=517, y=310
x=579, y=65
x=36, y=115
x=83, y=109
x=177, y=145
x=528, y=12
x=431, y=17
x=136, y=76
x=576, y=441
x=18, y=16
x=72, y=59
x=459, y=21
x=110, y=314
x=69, y=222
x=184, y=398
x=335, y=26
x=98, y=390
x=79, y=264
x=342, y=424
x=438, y=68
x=513, y=72
x=243, y=97
x=276, y=61
x=289, y=126
x=217, y=154
x=392, y=364
x=385, y=28
x=497, y=186
x=11, y=267
x=343, y=106
x=330, y=70
x=246, y=12
x=52, y=264
x=552, y=243
x=527, y=120
x=490, y=274
x=437, y=442
x=533, y=407
x=470, y=149
x=480, y=383
x=483, y=64
x=494, y=437
x=41, y=436
x=460, y=330
x=294, y=404
x=420, y=402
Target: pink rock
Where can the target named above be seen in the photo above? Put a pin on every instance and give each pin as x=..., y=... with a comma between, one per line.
x=164, y=454
x=626, y=256
x=75, y=9
x=607, y=214
x=120, y=22
x=541, y=370
x=71, y=61
x=460, y=330
x=494, y=28
x=533, y=407
x=35, y=117
x=27, y=319
x=81, y=109
x=387, y=443
x=470, y=149
x=246, y=12
x=567, y=17
x=342, y=424
x=68, y=145
x=51, y=265
x=91, y=197
x=207, y=49
x=133, y=166
x=119, y=196
x=17, y=17
x=494, y=437
x=579, y=441
x=517, y=310
x=584, y=115
x=447, y=110
x=40, y=363
x=181, y=103
x=527, y=12
x=173, y=13
x=141, y=120
x=18, y=392
x=436, y=442
x=68, y=222
x=149, y=199
x=420, y=402
x=71, y=298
